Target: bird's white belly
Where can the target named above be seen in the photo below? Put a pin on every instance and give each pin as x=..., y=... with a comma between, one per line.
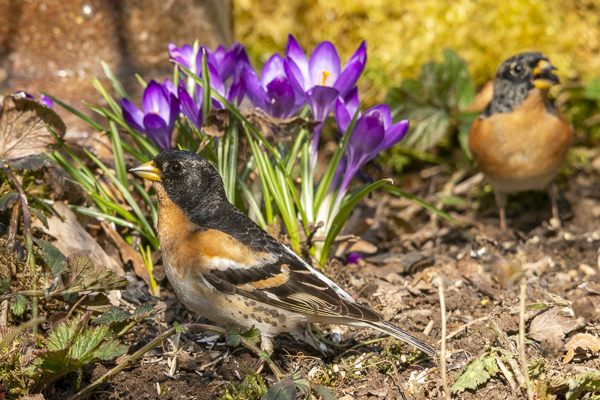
x=208, y=302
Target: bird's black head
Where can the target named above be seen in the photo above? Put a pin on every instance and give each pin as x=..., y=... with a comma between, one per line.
x=189, y=181
x=517, y=76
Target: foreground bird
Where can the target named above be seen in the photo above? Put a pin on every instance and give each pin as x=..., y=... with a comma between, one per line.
x=521, y=139
x=226, y=268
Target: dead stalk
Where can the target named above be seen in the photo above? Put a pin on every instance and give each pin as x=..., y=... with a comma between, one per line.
x=443, y=349
x=522, y=339
x=27, y=234
x=507, y=375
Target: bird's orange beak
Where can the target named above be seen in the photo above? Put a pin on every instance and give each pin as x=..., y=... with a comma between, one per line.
x=543, y=78
x=147, y=171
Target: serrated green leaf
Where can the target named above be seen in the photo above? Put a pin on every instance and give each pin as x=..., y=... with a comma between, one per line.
x=4, y=285
x=111, y=316
x=109, y=349
x=233, y=335
x=83, y=346
x=52, y=255
x=585, y=382
x=252, y=334
x=476, y=373
x=283, y=390
x=20, y=304
x=87, y=276
x=264, y=355
x=8, y=200
x=324, y=392
x=180, y=328
x=33, y=163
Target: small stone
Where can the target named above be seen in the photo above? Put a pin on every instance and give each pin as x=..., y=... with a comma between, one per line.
x=555, y=223
x=572, y=273
x=568, y=236
x=362, y=246
x=587, y=269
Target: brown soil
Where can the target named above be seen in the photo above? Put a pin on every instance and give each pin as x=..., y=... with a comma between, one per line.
x=478, y=265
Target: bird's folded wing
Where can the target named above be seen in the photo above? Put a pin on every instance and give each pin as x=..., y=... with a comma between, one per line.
x=287, y=283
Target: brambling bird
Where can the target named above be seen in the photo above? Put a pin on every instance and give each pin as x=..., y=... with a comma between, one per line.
x=226, y=268
x=521, y=139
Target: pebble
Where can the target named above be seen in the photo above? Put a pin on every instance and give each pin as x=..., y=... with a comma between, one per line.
x=568, y=236
x=587, y=269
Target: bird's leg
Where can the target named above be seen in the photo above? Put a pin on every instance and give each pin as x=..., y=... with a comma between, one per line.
x=501, y=203
x=553, y=194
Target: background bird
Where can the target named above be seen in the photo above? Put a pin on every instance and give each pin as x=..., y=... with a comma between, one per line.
x=226, y=268
x=521, y=139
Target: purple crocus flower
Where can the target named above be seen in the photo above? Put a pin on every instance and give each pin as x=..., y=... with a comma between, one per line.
x=160, y=108
x=43, y=99
x=181, y=55
x=274, y=92
x=354, y=257
x=222, y=63
x=320, y=79
x=373, y=133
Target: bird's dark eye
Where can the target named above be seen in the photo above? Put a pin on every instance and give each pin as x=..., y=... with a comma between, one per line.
x=517, y=69
x=176, y=167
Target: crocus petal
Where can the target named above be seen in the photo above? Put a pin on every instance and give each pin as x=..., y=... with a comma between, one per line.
x=272, y=69
x=348, y=78
x=339, y=172
x=368, y=132
x=133, y=115
x=215, y=80
x=354, y=257
x=342, y=116
x=393, y=135
x=281, y=98
x=170, y=87
x=295, y=76
x=237, y=89
x=384, y=109
x=210, y=58
x=181, y=55
x=189, y=108
x=226, y=59
x=255, y=91
x=324, y=65
x=294, y=52
x=351, y=101
x=46, y=101
x=321, y=100
x=155, y=100
x=174, y=110
x=157, y=130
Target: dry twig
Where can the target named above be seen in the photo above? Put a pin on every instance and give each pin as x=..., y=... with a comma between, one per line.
x=443, y=349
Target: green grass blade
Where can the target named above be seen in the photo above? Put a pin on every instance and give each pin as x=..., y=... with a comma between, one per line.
x=148, y=200
x=129, y=199
x=70, y=109
x=114, y=81
x=398, y=192
x=260, y=219
x=206, y=100
x=109, y=99
x=324, y=185
x=141, y=81
x=342, y=216
x=118, y=153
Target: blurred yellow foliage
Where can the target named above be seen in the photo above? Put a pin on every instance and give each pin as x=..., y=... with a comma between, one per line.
x=403, y=35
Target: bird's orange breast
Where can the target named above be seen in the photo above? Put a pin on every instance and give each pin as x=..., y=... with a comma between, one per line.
x=521, y=150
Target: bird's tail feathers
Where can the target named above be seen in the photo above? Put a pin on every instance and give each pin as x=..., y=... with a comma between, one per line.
x=406, y=337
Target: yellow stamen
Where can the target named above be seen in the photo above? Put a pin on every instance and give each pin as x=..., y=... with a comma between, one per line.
x=325, y=76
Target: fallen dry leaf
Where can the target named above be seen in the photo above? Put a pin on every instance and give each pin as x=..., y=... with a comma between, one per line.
x=128, y=254
x=584, y=341
x=72, y=240
x=22, y=129
x=550, y=325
